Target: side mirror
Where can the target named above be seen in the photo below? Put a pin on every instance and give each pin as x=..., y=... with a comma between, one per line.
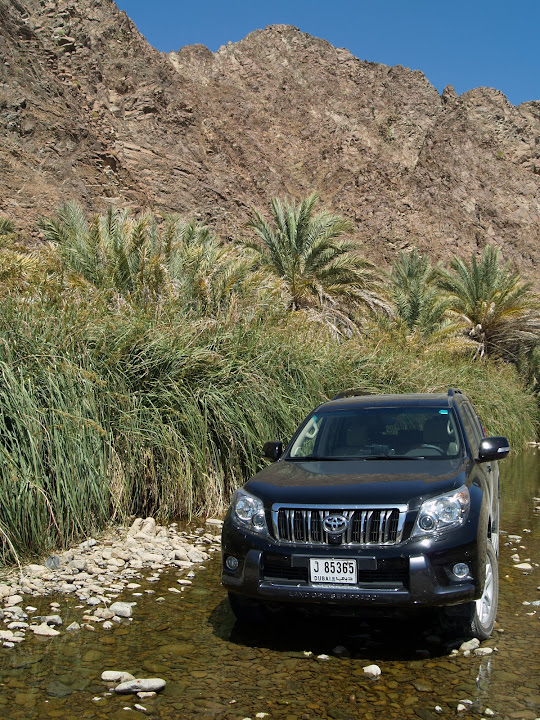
x=493, y=448
x=273, y=450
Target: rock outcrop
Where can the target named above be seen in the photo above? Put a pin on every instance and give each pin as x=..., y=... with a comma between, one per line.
x=90, y=111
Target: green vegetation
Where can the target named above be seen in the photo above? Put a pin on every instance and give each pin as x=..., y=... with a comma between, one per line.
x=316, y=268
x=144, y=362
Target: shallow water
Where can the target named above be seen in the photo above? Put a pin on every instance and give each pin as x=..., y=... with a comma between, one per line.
x=215, y=669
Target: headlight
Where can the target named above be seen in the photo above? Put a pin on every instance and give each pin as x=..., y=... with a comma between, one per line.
x=249, y=511
x=442, y=513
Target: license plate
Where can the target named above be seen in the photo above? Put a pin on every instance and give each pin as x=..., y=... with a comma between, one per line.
x=332, y=571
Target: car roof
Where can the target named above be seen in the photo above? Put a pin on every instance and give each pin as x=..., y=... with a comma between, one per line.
x=395, y=401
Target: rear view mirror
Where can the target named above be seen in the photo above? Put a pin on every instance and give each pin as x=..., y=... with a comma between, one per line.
x=493, y=448
x=273, y=450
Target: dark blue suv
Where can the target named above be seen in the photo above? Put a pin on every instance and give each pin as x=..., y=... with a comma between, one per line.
x=379, y=501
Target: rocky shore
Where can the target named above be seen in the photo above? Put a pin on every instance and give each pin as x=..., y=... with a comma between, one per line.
x=97, y=571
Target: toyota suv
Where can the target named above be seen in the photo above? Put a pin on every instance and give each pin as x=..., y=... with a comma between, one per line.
x=388, y=501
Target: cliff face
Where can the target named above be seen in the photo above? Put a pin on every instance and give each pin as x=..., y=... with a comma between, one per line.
x=89, y=111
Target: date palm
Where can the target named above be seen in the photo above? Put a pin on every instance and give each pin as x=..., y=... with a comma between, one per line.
x=494, y=307
x=419, y=304
x=317, y=268
x=146, y=259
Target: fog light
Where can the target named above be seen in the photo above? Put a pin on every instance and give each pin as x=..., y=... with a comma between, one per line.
x=231, y=562
x=461, y=570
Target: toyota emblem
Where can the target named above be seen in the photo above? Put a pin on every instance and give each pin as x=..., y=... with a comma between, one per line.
x=335, y=524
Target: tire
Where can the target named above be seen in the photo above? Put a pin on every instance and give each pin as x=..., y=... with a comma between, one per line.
x=246, y=610
x=476, y=619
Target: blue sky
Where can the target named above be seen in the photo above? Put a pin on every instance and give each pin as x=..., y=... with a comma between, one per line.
x=464, y=43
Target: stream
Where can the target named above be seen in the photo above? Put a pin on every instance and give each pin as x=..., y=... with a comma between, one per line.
x=301, y=670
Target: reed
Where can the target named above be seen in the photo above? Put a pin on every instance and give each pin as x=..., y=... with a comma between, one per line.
x=110, y=409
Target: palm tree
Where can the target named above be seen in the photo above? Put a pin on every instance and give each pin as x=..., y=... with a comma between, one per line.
x=147, y=259
x=494, y=307
x=317, y=269
x=419, y=304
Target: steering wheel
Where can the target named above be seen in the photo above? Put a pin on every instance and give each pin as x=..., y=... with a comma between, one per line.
x=425, y=447
x=433, y=447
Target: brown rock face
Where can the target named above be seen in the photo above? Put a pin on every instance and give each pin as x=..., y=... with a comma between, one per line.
x=90, y=112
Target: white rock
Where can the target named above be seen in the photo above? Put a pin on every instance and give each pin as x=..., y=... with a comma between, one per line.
x=13, y=600
x=523, y=566
x=196, y=556
x=141, y=685
x=43, y=629
x=35, y=570
x=5, y=591
x=116, y=676
x=52, y=619
x=470, y=645
x=148, y=526
x=74, y=626
x=122, y=609
x=181, y=554
x=372, y=670
x=481, y=651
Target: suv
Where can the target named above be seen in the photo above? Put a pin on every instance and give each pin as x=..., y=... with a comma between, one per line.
x=388, y=501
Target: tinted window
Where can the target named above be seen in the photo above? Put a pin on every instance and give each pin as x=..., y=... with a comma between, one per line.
x=367, y=432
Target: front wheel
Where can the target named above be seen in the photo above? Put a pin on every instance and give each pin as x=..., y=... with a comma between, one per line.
x=476, y=619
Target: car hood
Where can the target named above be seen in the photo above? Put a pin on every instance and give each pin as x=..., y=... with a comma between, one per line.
x=356, y=481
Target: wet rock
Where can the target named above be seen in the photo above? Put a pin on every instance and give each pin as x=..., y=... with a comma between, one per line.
x=469, y=645
x=73, y=627
x=141, y=685
x=44, y=630
x=116, y=676
x=122, y=609
x=373, y=671
x=58, y=689
x=51, y=619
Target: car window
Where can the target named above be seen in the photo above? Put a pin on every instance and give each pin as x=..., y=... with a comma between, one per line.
x=473, y=427
x=368, y=432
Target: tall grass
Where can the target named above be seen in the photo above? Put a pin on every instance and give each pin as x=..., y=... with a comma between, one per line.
x=111, y=408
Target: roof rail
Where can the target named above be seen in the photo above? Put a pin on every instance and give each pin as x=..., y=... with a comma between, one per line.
x=454, y=391
x=351, y=392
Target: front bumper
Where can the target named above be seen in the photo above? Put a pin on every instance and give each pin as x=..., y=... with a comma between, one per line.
x=409, y=574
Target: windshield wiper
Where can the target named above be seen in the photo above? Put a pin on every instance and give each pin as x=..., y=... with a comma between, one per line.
x=340, y=458
x=312, y=458
x=392, y=457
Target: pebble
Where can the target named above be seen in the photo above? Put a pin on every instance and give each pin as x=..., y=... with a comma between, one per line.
x=116, y=676
x=469, y=645
x=140, y=685
x=97, y=571
x=372, y=671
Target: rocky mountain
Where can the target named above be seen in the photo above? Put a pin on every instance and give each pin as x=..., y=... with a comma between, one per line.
x=90, y=111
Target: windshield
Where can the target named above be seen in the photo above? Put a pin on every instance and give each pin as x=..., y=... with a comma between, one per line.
x=405, y=432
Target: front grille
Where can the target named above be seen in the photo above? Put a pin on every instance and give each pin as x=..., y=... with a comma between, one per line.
x=388, y=571
x=366, y=526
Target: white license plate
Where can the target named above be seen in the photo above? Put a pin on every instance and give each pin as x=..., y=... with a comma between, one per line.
x=332, y=571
